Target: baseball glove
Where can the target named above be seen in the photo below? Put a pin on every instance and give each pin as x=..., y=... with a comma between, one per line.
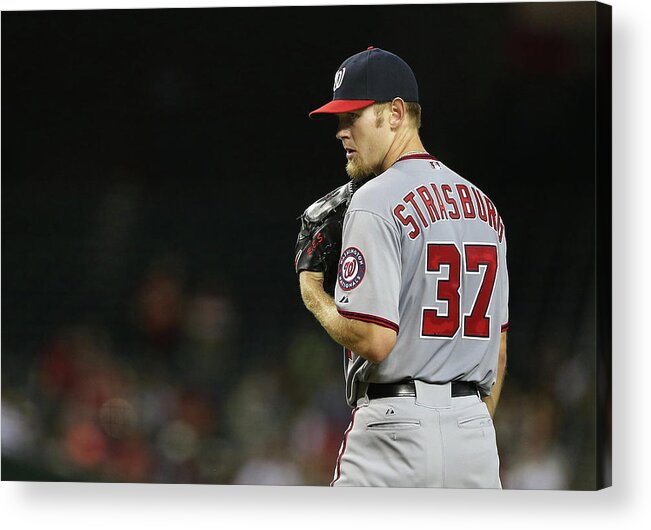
x=318, y=245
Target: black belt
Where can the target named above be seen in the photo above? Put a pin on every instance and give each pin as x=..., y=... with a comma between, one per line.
x=408, y=389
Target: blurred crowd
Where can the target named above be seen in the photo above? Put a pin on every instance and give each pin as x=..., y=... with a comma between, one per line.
x=168, y=400
x=171, y=398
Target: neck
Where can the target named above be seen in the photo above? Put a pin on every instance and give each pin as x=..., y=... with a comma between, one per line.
x=410, y=144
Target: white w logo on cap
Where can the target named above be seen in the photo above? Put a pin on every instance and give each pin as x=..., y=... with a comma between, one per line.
x=339, y=78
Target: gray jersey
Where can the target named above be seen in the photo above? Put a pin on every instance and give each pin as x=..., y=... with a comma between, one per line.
x=424, y=254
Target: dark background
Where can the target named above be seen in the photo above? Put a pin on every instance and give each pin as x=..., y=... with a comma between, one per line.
x=153, y=166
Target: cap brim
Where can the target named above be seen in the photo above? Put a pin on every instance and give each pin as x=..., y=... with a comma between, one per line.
x=338, y=106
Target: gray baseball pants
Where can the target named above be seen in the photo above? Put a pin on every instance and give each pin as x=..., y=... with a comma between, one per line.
x=432, y=440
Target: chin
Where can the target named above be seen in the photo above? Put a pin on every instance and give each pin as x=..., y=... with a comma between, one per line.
x=357, y=171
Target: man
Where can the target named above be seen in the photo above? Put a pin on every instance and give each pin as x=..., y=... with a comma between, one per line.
x=421, y=296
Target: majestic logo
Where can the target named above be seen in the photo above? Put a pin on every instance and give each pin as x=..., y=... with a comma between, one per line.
x=352, y=267
x=339, y=78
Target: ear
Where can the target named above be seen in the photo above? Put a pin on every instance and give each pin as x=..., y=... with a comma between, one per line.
x=398, y=113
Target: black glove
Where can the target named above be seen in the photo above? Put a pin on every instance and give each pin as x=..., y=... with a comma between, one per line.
x=318, y=245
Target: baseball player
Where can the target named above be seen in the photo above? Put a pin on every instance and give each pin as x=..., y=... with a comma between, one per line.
x=420, y=292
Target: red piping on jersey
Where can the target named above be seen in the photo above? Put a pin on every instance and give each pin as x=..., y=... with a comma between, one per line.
x=420, y=156
x=505, y=326
x=343, y=447
x=370, y=318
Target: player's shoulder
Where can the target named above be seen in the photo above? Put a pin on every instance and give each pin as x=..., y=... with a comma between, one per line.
x=384, y=183
x=380, y=192
x=369, y=195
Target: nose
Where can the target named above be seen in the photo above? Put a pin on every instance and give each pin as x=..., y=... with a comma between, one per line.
x=342, y=132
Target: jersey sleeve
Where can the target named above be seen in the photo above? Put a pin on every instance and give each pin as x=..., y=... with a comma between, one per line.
x=368, y=276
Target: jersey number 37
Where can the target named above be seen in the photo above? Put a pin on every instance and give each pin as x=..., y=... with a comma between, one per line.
x=475, y=324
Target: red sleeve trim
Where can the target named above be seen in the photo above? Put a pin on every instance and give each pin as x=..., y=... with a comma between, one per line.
x=370, y=318
x=505, y=327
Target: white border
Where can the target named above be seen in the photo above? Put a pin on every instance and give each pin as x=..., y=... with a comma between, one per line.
x=39, y=505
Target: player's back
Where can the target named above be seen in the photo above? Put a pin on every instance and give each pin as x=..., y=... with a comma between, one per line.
x=452, y=297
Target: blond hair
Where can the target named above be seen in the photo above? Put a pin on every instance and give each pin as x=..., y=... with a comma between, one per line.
x=412, y=109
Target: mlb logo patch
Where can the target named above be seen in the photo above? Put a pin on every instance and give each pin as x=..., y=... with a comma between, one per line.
x=352, y=267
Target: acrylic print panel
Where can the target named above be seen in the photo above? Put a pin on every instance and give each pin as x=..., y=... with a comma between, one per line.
x=155, y=162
